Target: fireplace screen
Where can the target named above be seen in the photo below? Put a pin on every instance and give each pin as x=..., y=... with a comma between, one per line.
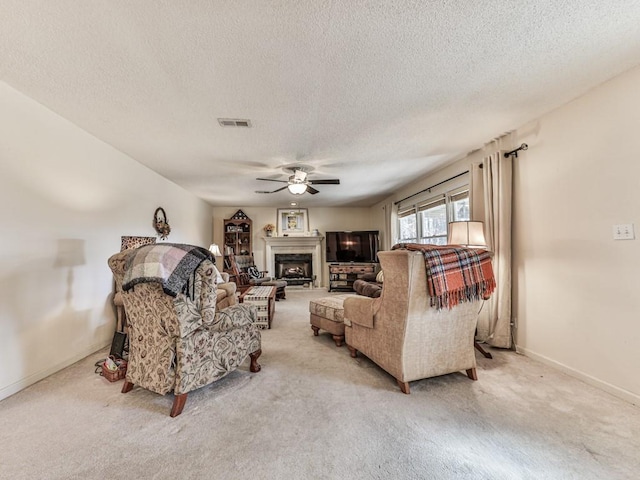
x=295, y=268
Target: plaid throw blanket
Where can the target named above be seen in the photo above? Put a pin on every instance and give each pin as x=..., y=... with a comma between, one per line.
x=171, y=264
x=455, y=274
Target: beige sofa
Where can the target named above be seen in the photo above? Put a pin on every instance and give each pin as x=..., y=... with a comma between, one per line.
x=226, y=293
x=402, y=333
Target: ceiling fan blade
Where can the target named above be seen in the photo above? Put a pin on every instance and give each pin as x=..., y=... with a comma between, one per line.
x=312, y=190
x=278, y=190
x=328, y=181
x=272, y=180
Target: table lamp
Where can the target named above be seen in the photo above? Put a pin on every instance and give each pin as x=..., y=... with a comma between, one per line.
x=468, y=233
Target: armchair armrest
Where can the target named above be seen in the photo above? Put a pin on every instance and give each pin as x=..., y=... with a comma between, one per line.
x=360, y=310
x=226, y=319
x=233, y=317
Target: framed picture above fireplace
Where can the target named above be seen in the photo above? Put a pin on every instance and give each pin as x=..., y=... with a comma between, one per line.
x=293, y=222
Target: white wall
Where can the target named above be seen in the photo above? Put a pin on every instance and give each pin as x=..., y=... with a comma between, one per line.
x=66, y=194
x=576, y=290
x=324, y=219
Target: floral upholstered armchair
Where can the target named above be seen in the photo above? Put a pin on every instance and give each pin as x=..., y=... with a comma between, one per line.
x=183, y=342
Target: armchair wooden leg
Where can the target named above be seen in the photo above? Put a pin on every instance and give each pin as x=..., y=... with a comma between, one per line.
x=338, y=339
x=255, y=366
x=352, y=351
x=471, y=373
x=404, y=386
x=127, y=386
x=315, y=330
x=178, y=404
x=482, y=350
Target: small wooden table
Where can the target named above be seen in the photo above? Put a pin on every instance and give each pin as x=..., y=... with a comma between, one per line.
x=264, y=300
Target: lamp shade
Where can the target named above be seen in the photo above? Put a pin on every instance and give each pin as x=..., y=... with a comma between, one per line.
x=297, y=188
x=469, y=234
x=70, y=252
x=215, y=250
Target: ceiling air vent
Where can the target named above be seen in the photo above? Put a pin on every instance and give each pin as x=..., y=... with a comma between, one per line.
x=234, y=122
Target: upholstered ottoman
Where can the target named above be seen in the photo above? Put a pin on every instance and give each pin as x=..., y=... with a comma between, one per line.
x=327, y=313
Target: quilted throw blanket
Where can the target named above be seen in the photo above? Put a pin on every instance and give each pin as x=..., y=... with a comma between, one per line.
x=455, y=274
x=170, y=264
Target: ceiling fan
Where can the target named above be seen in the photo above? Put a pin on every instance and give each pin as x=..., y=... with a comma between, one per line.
x=298, y=182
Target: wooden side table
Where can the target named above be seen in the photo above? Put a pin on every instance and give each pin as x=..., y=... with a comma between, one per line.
x=263, y=297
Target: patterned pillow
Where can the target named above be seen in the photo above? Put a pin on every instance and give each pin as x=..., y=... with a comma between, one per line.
x=254, y=272
x=128, y=242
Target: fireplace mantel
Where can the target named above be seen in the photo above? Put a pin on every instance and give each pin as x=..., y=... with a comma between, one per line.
x=286, y=241
x=311, y=244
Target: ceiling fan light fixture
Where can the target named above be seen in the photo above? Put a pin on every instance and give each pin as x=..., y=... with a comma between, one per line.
x=298, y=182
x=299, y=176
x=297, y=188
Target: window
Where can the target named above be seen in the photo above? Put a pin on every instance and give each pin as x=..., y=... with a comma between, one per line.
x=460, y=207
x=427, y=222
x=433, y=222
x=407, y=226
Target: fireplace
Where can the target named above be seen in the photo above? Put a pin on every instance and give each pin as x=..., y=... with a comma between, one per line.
x=309, y=245
x=295, y=268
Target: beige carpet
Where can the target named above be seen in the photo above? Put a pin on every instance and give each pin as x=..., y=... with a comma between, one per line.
x=315, y=413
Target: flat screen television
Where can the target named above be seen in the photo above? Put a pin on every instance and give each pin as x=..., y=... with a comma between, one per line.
x=360, y=246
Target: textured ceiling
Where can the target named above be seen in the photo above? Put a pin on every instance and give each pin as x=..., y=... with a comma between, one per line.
x=371, y=92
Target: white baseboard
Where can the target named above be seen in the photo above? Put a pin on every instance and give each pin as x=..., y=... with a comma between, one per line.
x=36, y=377
x=607, y=387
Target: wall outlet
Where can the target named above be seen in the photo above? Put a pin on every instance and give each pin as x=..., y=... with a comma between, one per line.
x=623, y=231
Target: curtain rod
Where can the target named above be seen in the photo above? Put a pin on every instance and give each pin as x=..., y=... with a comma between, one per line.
x=524, y=146
x=432, y=186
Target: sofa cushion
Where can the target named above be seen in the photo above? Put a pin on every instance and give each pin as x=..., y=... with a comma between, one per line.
x=367, y=289
x=368, y=277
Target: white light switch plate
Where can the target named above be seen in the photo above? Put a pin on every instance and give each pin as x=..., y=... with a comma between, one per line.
x=624, y=231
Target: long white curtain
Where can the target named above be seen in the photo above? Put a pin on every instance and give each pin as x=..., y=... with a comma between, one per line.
x=390, y=215
x=497, y=187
